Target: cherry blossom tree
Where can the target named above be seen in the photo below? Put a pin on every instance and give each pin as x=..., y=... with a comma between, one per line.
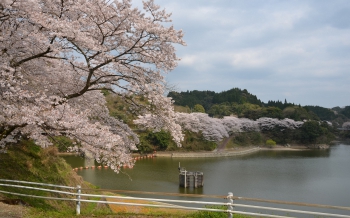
x=267, y=123
x=57, y=55
x=215, y=129
x=211, y=128
x=346, y=125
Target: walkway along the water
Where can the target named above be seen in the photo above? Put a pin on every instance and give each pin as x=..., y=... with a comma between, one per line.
x=222, y=153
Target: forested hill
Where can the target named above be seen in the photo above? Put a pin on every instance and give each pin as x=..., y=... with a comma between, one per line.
x=244, y=104
x=208, y=98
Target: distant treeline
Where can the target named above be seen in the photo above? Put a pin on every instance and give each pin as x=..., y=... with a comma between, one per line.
x=244, y=104
x=208, y=98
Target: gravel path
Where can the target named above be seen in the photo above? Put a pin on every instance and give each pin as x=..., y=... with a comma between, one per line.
x=12, y=211
x=222, y=146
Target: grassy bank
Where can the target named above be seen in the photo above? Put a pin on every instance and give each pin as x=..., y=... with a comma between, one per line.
x=28, y=162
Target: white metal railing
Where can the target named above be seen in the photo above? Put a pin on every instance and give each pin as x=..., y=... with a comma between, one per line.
x=77, y=196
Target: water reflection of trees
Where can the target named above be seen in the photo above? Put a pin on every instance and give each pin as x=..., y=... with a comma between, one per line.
x=312, y=153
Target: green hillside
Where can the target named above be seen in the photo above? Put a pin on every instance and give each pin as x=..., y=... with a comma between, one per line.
x=209, y=98
x=244, y=104
x=29, y=162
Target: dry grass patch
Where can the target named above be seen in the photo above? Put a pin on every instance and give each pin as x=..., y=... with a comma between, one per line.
x=118, y=208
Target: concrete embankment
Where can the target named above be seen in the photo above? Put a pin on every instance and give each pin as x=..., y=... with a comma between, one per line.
x=222, y=153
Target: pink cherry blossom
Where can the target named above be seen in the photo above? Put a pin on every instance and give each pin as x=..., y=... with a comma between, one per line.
x=215, y=129
x=57, y=56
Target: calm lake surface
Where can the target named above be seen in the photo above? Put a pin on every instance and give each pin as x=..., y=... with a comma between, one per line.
x=311, y=176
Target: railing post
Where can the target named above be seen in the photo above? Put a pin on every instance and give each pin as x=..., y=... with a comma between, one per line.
x=78, y=199
x=185, y=179
x=230, y=201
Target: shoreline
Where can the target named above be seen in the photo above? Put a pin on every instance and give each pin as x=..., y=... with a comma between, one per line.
x=228, y=152
x=239, y=151
x=201, y=154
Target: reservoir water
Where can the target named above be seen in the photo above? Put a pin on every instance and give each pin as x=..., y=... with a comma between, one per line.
x=310, y=176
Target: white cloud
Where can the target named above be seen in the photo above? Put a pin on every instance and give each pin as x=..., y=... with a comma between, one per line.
x=299, y=50
x=199, y=61
x=250, y=58
x=188, y=60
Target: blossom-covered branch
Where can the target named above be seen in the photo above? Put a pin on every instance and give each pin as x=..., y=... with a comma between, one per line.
x=56, y=56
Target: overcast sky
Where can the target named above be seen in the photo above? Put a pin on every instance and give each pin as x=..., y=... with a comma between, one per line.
x=297, y=50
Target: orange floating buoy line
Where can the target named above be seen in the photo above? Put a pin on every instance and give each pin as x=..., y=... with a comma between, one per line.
x=124, y=166
x=99, y=167
x=87, y=167
x=144, y=156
